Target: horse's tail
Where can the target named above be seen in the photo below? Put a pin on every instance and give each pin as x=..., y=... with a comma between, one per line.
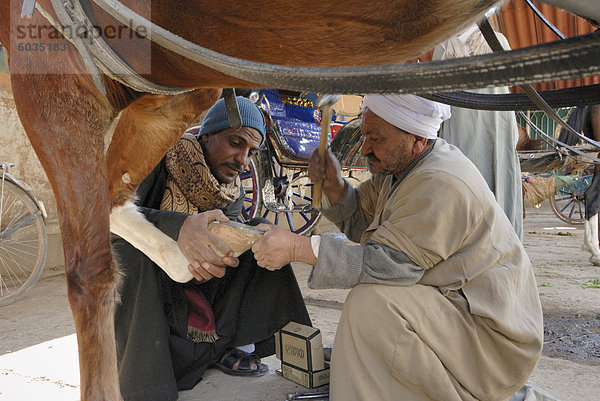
x=579, y=121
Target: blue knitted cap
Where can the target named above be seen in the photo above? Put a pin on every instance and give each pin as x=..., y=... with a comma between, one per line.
x=217, y=120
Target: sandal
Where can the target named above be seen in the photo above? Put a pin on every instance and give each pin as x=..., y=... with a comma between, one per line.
x=238, y=363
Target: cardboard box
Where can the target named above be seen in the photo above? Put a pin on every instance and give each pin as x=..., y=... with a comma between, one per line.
x=300, y=346
x=300, y=349
x=307, y=379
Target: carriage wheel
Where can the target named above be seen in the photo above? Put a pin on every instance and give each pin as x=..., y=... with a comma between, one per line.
x=290, y=189
x=283, y=195
x=568, y=203
x=251, y=190
x=23, y=243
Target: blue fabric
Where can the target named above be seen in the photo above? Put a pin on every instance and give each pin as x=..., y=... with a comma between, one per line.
x=279, y=108
x=297, y=125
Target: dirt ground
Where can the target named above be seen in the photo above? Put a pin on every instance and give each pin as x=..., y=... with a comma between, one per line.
x=569, y=289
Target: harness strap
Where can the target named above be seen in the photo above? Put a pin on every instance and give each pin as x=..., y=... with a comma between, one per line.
x=79, y=44
x=232, y=108
x=99, y=53
x=556, y=98
x=545, y=20
x=496, y=46
x=494, y=43
x=27, y=9
x=114, y=65
x=557, y=60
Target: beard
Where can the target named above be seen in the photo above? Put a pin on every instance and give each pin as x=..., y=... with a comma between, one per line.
x=224, y=175
x=394, y=163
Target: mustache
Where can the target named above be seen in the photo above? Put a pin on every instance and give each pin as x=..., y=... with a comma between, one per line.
x=371, y=157
x=235, y=166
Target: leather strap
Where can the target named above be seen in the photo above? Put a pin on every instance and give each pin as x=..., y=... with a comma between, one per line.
x=545, y=20
x=567, y=97
x=79, y=44
x=494, y=43
x=556, y=60
x=496, y=46
x=232, y=108
x=104, y=58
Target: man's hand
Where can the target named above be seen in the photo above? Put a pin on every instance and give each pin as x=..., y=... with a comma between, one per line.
x=207, y=254
x=278, y=247
x=329, y=173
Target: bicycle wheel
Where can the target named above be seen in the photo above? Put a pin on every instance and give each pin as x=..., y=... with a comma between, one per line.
x=568, y=203
x=23, y=243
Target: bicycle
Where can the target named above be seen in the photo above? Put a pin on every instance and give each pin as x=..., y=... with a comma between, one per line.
x=23, y=239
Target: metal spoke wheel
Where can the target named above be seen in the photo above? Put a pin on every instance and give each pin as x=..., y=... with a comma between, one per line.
x=23, y=243
x=568, y=203
x=250, y=186
x=287, y=199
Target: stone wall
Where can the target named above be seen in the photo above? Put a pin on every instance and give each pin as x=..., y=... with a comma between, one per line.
x=16, y=148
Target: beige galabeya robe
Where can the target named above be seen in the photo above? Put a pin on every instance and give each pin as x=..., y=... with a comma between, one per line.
x=471, y=328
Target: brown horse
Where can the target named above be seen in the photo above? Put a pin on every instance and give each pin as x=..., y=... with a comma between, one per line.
x=96, y=149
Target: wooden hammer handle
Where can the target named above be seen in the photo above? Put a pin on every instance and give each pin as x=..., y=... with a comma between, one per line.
x=318, y=186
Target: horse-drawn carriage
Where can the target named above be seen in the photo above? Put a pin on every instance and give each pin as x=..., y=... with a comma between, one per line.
x=559, y=174
x=276, y=184
x=559, y=178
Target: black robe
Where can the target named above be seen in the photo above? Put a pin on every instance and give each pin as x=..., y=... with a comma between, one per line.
x=155, y=359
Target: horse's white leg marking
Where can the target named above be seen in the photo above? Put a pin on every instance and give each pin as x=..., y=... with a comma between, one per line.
x=590, y=239
x=586, y=237
x=131, y=225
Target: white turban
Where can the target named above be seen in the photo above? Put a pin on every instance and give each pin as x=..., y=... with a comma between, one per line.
x=410, y=113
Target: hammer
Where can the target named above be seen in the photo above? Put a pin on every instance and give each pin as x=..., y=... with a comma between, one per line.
x=319, y=395
x=325, y=103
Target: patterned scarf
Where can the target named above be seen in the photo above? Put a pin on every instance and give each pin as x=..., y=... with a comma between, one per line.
x=191, y=188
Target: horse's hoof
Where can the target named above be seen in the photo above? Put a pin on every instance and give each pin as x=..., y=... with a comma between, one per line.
x=595, y=260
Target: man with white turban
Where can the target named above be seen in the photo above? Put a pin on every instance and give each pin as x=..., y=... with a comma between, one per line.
x=444, y=304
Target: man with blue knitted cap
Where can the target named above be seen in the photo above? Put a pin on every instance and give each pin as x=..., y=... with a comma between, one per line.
x=169, y=333
x=444, y=304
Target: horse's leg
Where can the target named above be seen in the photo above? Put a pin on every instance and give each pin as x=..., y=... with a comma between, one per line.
x=591, y=239
x=592, y=196
x=146, y=130
x=64, y=118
